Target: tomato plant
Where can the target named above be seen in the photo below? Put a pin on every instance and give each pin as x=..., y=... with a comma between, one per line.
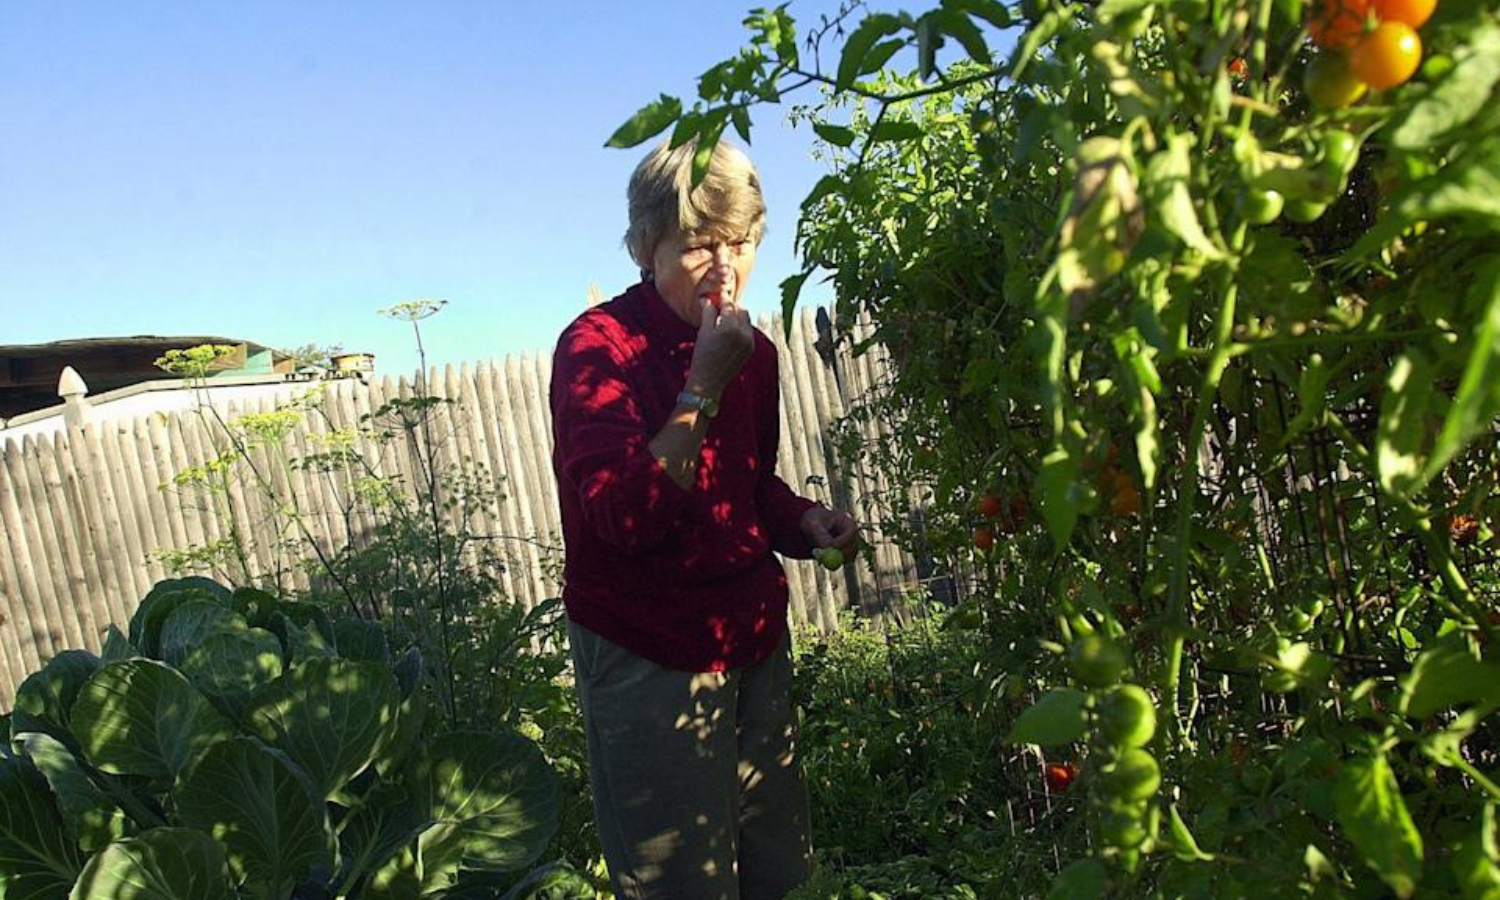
x=1248, y=441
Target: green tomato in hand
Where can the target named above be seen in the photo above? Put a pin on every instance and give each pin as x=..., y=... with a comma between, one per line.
x=832, y=558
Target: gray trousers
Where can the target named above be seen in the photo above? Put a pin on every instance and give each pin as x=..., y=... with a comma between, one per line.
x=697, y=793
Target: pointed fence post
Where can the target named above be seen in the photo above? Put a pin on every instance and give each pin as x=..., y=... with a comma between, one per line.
x=76, y=409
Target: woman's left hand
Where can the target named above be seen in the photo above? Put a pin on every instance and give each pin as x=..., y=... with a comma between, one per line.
x=824, y=527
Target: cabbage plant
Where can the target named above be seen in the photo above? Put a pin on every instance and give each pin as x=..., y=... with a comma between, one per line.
x=237, y=745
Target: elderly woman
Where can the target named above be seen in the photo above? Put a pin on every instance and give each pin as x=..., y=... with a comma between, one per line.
x=666, y=424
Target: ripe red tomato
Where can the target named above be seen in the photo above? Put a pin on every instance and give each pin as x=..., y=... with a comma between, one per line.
x=1407, y=12
x=1338, y=24
x=989, y=506
x=1387, y=56
x=1238, y=68
x=1059, y=776
x=984, y=538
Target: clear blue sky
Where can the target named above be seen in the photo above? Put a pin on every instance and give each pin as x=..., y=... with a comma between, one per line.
x=278, y=170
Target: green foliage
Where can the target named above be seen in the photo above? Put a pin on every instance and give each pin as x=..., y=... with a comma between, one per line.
x=1257, y=453
x=423, y=586
x=194, y=362
x=245, y=778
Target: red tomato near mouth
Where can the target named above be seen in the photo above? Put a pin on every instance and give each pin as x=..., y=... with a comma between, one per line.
x=1059, y=776
x=1339, y=24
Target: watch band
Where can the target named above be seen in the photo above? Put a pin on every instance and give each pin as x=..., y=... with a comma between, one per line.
x=706, y=405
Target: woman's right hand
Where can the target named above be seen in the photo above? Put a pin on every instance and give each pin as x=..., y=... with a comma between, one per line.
x=725, y=341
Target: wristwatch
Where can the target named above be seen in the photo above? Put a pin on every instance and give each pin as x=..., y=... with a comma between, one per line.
x=706, y=405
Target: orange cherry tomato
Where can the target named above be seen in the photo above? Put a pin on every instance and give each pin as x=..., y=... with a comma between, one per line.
x=984, y=538
x=1407, y=12
x=989, y=506
x=1239, y=69
x=1387, y=56
x=1339, y=24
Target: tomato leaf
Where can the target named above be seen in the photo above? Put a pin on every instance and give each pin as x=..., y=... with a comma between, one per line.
x=651, y=120
x=959, y=27
x=741, y=119
x=997, y=14
x=1476, y=860
x=1369, y=808
x=828, y=184
x=777, y=30
x=1057, y=482
x=870, y=30
x=929, y=40
x=1083, y=879
x=1477, y=401
x=837, y=135
x=897, y=131
x=1402, y=432
x=1467, y=186
x=881, y=54
x=1446, y=676
x=1171, y=201
x=1457, y=97
x=1057, y=718
x=708, y=139
x=791, y=289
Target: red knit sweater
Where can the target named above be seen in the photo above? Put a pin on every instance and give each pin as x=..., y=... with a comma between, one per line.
x=685, y=578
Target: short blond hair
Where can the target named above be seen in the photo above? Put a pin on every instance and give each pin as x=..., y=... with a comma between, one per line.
x=727, y=204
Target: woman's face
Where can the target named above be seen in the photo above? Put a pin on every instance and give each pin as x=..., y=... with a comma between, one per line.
x=690, y=267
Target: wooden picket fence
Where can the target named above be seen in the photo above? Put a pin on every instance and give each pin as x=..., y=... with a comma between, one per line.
x=85, y=514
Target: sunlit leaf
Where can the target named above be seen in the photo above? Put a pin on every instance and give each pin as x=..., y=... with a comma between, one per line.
x=1402, y=434
x=1476, y=859
x=1057, y=718
x=870, y=29
x=160, y=864
x=331, y=716
x=140, y=717
x=92, y=820
x=1477, y=402
x=837, y=135
x=651, y=120
x=1458, y=96
x=1368, y=805
x=1446, y=676
x=44, y=701
x=262, y=810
